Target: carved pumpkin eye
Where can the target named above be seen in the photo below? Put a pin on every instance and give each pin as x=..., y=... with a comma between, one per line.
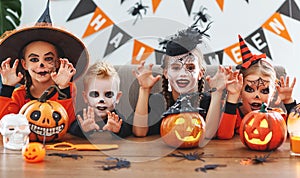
x=35, y=115
x=179, y=121
x=196, y=122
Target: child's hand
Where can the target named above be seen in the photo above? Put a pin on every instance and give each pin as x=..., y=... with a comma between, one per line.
x=285, y=90
x=144, y=76
x=65, y=73
x=219, y=80
x=8, y=74
x=88, y=121
x=113, y=123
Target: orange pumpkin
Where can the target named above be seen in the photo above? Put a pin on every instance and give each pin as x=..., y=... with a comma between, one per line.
x=183, y=130
x=33, y=152
x=47, y=119
x=263, y=130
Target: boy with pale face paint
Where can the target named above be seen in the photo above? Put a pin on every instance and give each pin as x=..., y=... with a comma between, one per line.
x=101, y=94
x=255, y=83
x=183, y=73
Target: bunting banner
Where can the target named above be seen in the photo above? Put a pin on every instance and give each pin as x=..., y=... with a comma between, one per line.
x=84, y=7
x=118, y=37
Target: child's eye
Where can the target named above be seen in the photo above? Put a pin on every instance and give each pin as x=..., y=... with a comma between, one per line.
x=94, y=94
x=34, y=60
x=190, y=67
x=109, y=94
x=49, y=59
x=249, y=89
x=176, y=67
x=265, y=91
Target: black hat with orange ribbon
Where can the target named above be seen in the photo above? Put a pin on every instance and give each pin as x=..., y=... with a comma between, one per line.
x=248, y=58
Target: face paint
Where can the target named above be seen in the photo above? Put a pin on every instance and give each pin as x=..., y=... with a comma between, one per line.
x=101, y=94
x=183, y=72
x=256, y=91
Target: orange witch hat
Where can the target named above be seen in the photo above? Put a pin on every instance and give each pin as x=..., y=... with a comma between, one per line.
x=247, y=57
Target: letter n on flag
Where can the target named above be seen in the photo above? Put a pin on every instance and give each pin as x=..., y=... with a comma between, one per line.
x=140, y=52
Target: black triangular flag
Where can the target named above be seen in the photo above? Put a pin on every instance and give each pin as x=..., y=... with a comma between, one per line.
x=83, y=7
x=122, y=1
x=45, y=17
x=117, y=38
x=214, y=58
x=290, y=9
x=188, y=5
x=247, y=1
x=260, y=42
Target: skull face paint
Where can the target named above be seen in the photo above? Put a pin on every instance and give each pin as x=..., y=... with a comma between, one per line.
x=183, y=73
x=15, y=131
x=256, y=90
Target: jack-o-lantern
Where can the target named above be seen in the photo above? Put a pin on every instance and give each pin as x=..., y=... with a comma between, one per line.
x=293, y=121
x=33, y=152
x=263, y=130
x=182, y=125
x=48, y=120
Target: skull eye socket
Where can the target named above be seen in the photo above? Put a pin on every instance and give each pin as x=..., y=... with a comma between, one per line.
x=35, y=115
x=180, y=120
x=56, y=116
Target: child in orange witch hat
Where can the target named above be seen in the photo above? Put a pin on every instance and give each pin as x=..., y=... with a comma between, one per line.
x=253, y=84
x=36, y=58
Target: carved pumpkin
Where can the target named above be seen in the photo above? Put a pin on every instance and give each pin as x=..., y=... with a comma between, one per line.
x=293, y=121
x=183, y=130
x=47, y=119
x=263, y=130
x=34, y=152
x=182, y=126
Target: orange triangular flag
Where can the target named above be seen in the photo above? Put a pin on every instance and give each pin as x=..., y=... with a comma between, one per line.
x=221, y=4
x=140, y=52
x=276, y=25
x=234, y=53
x=155, y=4
x=98, y=22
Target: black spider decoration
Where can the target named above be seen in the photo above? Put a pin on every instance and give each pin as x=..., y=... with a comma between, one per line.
x=209, y=167
x=64, y=155
x=115, y=163
x=201, y=16
x=189, y=156
x=256, y=159
x=136, y=10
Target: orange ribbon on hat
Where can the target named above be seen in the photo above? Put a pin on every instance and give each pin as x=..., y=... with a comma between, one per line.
x=247, y=64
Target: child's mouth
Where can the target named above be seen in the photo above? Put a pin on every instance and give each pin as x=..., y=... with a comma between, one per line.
x=255, y=106
x=182, y=83
x=101, y=108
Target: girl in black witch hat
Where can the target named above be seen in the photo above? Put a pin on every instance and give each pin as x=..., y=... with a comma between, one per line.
x=40, y=56
x=183, y=71
x=253, y=84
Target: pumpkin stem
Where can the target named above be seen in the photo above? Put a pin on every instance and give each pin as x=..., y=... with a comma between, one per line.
x=263, y=108
x=43, y=98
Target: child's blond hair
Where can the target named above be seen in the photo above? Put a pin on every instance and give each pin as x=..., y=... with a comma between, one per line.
x=102, y=70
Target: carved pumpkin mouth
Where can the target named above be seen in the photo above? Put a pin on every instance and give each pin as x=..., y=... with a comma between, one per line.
x=46, y=131
x=257, y=140
x=31, y=158
x=189, y=138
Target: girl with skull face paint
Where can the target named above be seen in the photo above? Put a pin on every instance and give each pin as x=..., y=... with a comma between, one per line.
x=35, y=58
x=101, y=93
x=254, y=83
x=183, y=73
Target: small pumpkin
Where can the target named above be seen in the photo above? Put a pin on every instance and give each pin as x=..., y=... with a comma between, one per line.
x=182, y=126
x=34, y=152
x=293, y=121
x=48, y=120
x=263, y=130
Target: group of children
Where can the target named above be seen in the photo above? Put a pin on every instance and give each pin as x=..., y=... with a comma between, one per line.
x=35, y=58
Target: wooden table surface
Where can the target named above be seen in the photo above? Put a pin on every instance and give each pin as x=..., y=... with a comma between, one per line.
x=149, y=158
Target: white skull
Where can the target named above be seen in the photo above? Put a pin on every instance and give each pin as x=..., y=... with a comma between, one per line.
x=15, y=131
